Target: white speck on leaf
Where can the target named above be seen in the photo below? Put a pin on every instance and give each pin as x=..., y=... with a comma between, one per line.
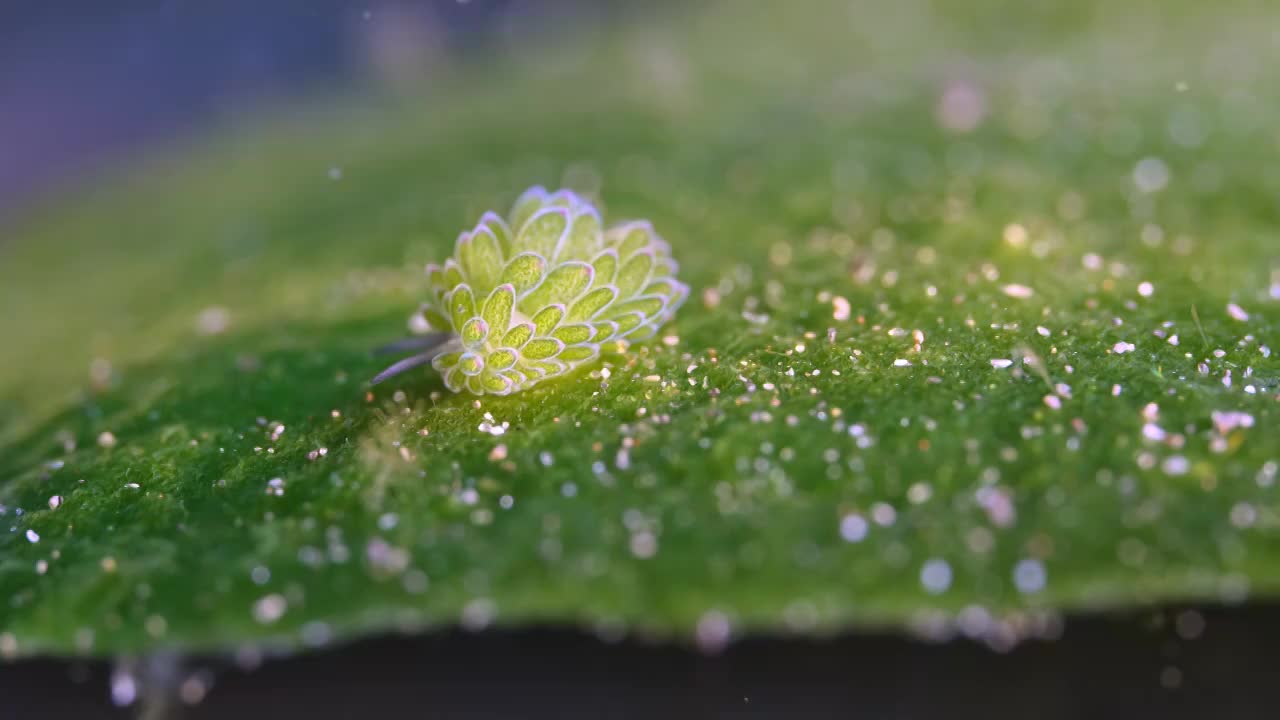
x=935, y=575
x=1021, y=292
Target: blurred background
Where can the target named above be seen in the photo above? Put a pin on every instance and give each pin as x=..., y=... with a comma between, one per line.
x=85, y=84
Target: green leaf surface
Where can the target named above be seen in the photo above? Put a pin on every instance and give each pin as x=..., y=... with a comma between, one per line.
x=983, y=316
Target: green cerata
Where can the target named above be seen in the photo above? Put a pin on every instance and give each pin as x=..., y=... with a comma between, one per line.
x=537, y=295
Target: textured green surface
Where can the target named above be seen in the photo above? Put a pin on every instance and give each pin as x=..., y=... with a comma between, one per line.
x=245, y=486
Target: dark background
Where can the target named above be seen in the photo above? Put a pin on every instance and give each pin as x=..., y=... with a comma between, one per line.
x=1133, y=666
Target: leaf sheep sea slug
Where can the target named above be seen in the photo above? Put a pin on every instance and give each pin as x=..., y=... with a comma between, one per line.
x=539, y=294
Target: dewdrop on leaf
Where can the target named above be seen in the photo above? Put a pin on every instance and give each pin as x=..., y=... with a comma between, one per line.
x=540, y=294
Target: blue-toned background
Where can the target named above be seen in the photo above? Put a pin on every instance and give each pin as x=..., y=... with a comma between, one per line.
x=83, y=84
